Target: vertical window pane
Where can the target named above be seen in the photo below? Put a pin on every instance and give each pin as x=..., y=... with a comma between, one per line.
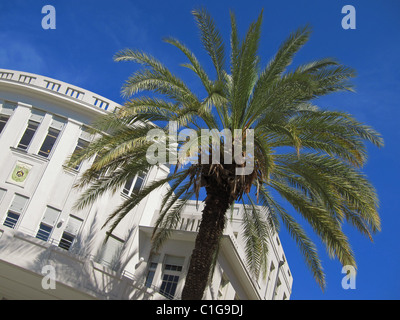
x=11, y=219
x=48, y=221
x=152, y=269
x=133, y=185
x=44, y=232
x=127, y=187
x=149, y=278
x=168, y=286
x=172, y=269
x=70, y=232
x=3, y=121
x=6, y=111
x=96, y=159
x=82, y=144
x=138, y=183
x=66, y=241
x=111, y=252
x=150, y=275
x=2, y=193
x=49, y=142
x=16, y=208
x=28, y=135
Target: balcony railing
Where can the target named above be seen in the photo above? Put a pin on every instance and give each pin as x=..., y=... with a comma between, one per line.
x=87, y=274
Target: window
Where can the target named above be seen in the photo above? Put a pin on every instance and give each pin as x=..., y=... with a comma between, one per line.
x=28, y=135
x=3, y=121
x=128, y=186
x=5, y=114
x=70, y=232
x=150, y=274
x=44, y=232
x=152, y=270
x=51, y=138
x=16, y=209
x=138, y=183
x=49, y=142
x=83, y=143
x=97, y=174
x=223, y=286
x=276, y=288
x=66, y=241
x=33, y=124
x=134, y=185
x=11, y=219
x=168, y=286
x=171, y=273
x=172, y=267
x=110, y=253
x=48, y=222
x=2, y=193
x=272, y=267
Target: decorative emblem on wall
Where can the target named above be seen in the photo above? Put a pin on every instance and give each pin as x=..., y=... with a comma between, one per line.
x=20, y=173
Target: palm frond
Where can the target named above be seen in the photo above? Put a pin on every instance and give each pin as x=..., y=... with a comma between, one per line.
x=311, y=157
x=245, y=69
x=194, y=65
x=305, y=244
x=323, y=224
x=211, y=40
x=256, y=233
x=170, y=215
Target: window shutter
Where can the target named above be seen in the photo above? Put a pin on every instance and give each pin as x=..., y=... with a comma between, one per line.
x=111, y=249
x=18, y=203
x=7, y=109
x=37, y=116
x=85, y=135
x=176, y=261
x=2, y=193
x=50, y=216
x=73, y=226
x=57, y=123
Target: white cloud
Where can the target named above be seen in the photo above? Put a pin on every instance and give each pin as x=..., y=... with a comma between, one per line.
x=20, y=55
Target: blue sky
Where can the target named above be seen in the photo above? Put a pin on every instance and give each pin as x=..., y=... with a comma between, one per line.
x=88, y=33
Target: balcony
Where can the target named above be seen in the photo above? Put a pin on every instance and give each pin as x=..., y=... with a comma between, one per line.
x=22, y=261
x=232, y=253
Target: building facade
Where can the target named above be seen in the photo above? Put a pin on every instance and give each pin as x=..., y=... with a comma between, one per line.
x=48, y=250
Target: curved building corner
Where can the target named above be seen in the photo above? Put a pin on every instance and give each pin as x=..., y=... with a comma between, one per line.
x=48, y=250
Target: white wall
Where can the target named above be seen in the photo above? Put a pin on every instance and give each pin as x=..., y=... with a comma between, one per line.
x=49, y=183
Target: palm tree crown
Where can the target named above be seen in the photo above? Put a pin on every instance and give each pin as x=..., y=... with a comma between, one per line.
x=311, y=157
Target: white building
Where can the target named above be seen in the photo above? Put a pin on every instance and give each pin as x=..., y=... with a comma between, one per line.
x=50, y=251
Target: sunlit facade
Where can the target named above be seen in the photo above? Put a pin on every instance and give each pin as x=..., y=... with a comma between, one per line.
x=48, y=250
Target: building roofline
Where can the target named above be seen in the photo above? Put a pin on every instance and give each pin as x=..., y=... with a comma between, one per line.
x=58, y=89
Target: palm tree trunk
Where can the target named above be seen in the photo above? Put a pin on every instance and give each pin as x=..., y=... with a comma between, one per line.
x=207, y=242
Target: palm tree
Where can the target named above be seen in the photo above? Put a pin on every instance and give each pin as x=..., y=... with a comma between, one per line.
x=310, y=157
